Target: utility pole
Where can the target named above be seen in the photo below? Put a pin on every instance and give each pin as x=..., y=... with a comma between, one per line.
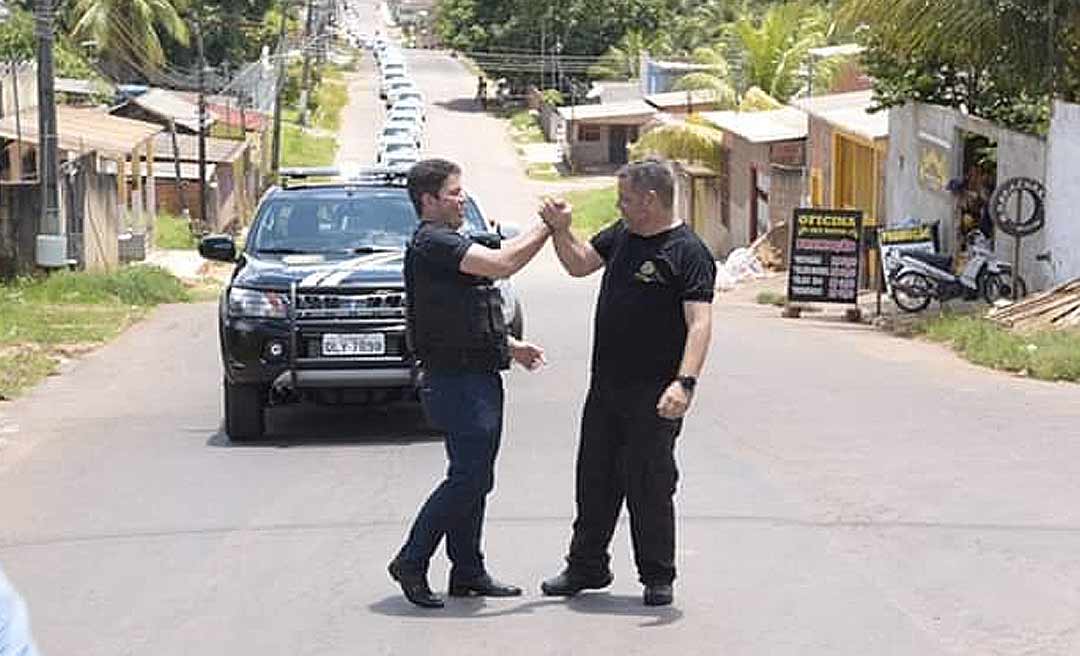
x=1051, y=45
x=184, y=212
x=47, y=155
x=204, y=214
x=307, y=66
x=275, y=150
x=543, y=26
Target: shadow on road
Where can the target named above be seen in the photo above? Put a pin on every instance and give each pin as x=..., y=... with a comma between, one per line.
x=480, y=608
x=465, y=105
x=313, y=425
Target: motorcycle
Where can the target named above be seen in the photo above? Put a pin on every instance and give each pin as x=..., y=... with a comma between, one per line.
x=916, y=277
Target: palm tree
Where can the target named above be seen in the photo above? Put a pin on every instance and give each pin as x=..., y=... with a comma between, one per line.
x=776, y=47
x=692, y=140
x=768, y=53
x=623, y=60
x=716, y=78
x=125, y=31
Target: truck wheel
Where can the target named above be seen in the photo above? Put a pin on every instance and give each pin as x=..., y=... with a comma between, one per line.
x=244, y=417
x=517, y=326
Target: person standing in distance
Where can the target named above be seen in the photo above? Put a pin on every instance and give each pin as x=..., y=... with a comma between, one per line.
x=652, y=329
x=456, y=328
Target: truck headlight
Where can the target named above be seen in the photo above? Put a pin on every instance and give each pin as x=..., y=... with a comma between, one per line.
x=253, y=303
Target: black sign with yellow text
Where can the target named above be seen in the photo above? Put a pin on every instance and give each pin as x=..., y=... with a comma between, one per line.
x=825, y=256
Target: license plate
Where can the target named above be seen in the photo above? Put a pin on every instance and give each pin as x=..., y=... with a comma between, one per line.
x=357, y=344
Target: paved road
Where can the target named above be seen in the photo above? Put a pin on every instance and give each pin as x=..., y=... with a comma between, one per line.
x=841, y=493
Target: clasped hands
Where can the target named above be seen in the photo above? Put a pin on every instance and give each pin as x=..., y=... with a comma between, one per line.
x=556, y=213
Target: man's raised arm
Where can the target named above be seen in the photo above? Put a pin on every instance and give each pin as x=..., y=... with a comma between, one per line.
x=507, y=260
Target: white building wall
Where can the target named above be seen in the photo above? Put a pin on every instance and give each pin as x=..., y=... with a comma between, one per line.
x=919, y=132
x=1063, y=192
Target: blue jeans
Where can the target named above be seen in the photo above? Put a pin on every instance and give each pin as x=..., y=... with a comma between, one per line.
x=469, y=407
x=15, y=637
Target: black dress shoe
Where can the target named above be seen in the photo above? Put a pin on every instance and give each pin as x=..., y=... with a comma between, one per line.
x=485, y=586
x=569, y=584
x=415, y=586
x=661, y=594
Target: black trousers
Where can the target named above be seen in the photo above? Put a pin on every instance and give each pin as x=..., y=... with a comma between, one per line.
x=627, y=452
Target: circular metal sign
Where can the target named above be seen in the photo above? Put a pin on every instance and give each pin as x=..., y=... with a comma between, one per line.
x=1018, y=206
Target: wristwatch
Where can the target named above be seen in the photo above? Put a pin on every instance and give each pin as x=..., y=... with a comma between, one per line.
x=688, y=382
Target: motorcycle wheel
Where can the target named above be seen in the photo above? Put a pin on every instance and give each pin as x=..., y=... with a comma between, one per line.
x=912, y=291
x=998, y=286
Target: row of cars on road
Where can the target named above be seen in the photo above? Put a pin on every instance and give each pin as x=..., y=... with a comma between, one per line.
x=402, y=135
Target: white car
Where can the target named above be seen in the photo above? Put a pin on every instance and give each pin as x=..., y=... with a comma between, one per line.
x=401, y=161
x=410, y=122
x=412, y=111
x=387, y=79
x=401, y=129
x=397, y=86
x=414, y=96
x=398, y=147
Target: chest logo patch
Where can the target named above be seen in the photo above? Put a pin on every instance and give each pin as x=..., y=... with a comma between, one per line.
x=647, y=273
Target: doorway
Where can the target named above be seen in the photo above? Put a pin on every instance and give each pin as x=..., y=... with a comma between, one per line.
x=617, y=138
x=973, y=187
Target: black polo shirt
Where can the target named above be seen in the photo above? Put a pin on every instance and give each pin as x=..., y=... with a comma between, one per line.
x=640, y=330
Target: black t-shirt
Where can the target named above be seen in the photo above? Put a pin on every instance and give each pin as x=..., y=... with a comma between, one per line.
x=640, y=330
x=441, y=249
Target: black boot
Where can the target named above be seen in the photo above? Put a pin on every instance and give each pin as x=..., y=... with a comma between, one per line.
x=414, y=585
x=482, y=586
x=660, y=594
x=570, y=583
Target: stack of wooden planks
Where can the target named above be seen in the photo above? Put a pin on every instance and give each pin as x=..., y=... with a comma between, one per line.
x=1055, y=308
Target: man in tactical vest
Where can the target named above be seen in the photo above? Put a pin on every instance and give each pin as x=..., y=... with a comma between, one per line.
x=457, y=330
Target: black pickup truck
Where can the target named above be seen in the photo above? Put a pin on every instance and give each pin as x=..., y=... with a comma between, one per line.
x=315, y=307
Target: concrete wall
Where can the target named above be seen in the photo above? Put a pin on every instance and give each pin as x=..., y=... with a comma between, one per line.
x=101, y=227
x=698, y=201
x=583, y=154
x=918, y=133
x=20, y=207
x=27, y=88
x=742, y=155
x=819, y=154
x=1063, y=192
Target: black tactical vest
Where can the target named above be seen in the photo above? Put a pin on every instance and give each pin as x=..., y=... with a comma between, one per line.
x=455, y=320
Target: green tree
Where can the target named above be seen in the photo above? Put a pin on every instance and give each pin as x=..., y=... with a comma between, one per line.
x=998, y=60
x=775, y=47
x=125, y=31
x=622, y=61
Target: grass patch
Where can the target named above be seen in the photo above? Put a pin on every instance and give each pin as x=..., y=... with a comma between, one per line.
x=525, y=127
x=594, y=209
x=544, y=172
x=20, y=368
x=173, y=232
x=331, y=97
x=772, y=298
x=1046, y=355
x=43, y=319
x=299, y=148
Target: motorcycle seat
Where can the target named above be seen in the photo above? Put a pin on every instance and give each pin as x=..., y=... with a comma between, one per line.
x=943, y=262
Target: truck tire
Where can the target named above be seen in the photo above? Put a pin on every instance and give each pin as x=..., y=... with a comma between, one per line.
x=244, y=416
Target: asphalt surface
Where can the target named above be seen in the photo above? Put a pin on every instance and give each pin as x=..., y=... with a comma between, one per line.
x=841, y=492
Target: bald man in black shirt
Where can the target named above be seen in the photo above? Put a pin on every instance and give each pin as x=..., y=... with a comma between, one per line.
x=652, y=329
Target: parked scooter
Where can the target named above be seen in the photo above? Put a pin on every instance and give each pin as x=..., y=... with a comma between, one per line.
x=916, y=278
